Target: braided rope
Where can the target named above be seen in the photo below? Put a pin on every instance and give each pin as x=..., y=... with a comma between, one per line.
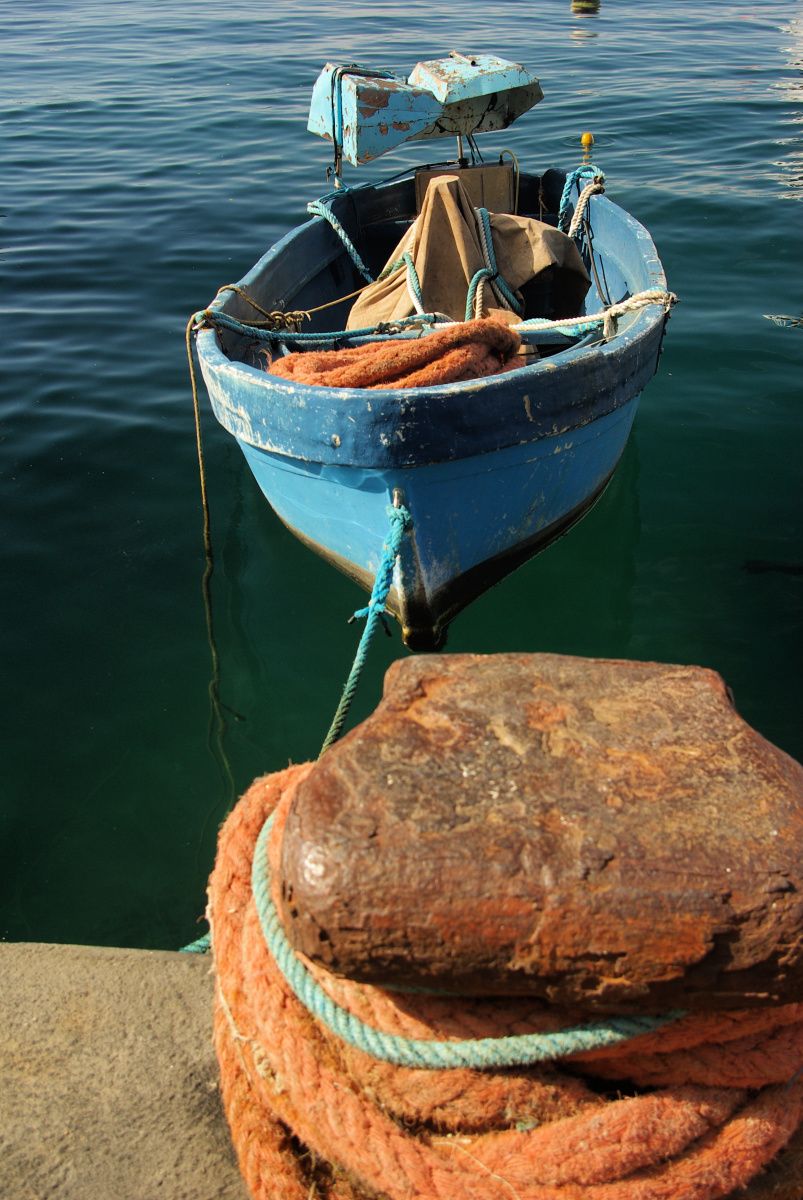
x=479, y=300
x=475, y=296
x=413, y=284
x=319, y=208
x=368, y=1129
x=502, y=290
x=400, y=521
x=477, y=1053
x=587, y=171
x=306, y=341
x=574, y=326
x=591, y=189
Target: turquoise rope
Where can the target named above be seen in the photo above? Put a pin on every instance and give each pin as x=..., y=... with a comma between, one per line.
x=400, y=521
x=319, y=208
x=471, y=294
x=390, y=268
x=201, y=945
x=499, y=281
x=413, y=281
x=307, y=341
x=587, y=171
x=516, y=1050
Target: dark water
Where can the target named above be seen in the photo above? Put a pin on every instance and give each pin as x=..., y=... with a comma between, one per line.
x=150, y=152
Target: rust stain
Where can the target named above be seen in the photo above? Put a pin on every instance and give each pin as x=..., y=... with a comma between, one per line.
x=402, y=126
x=541, y=714
x=374, y=98
x=647, y=947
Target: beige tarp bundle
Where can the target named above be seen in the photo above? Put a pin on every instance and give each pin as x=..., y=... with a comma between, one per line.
x=445, y=246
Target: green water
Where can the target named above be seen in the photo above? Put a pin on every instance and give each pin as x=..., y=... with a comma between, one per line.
x=149, y=155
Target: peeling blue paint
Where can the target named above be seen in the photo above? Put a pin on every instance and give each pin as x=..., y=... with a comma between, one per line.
x=491, y=470
x=367, y=113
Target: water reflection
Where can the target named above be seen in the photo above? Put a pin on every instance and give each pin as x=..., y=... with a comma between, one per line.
x=791, y=88
x=584, y=8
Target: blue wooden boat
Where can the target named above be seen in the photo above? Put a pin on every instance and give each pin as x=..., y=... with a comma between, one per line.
x=491, y=470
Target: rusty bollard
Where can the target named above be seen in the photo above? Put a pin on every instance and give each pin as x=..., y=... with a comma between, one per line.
x=605, y=835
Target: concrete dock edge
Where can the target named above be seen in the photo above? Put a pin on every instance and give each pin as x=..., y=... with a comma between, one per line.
x=108, y=1078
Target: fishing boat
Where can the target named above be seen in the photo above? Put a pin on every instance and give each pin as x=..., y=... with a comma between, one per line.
x=492, y=469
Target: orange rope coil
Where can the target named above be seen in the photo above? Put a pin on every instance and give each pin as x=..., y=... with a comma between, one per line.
x=468, y=350
x=312, y=1117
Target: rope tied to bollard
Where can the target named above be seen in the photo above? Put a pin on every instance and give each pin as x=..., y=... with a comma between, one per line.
x=710, y=1098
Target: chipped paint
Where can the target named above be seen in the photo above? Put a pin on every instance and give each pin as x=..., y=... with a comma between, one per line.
x=491, y=469
x=368, y=115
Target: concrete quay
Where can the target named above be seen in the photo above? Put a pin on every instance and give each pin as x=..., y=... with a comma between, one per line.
x=108, y=1078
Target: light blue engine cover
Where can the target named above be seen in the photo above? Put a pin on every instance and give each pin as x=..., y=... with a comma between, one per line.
x=366, y=112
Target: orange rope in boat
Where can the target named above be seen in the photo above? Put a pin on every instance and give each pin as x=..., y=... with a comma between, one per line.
x=468, y=350
x=312, y=1117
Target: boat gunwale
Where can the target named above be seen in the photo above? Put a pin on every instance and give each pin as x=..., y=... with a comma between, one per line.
x=641, y=323
x=554, y=393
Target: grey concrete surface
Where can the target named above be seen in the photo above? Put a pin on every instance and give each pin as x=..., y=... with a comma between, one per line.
x=108, y=1079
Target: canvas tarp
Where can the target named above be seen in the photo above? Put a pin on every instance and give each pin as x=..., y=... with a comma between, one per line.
x=446, y=249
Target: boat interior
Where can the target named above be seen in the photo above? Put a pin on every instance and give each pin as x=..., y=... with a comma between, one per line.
x=311, y=270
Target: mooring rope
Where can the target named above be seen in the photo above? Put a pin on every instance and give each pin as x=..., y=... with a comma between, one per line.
x=400, y=522
x=477, y=1053
x=587, y=171
x=319, y=208
x=595, y=188
x=694, y=1110
x=574, y=326
x=217, y=720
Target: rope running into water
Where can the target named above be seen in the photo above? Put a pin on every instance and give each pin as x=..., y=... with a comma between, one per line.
x=400, y=522
x=217, y=732
x=218, y=721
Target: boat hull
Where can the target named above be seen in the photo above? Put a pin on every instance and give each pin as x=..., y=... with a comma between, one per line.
x=491, y=470
x=473, y=519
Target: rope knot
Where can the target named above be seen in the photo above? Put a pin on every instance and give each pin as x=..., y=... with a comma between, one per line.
x=594, y=178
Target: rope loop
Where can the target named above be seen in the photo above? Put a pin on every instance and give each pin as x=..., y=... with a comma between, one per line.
x=514, y=1050
x=589, y=172
x=505, y=295
x=413, y=284
x=475, y=297
x=576, y=226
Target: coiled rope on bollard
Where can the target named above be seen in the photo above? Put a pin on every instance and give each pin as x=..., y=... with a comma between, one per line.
x=705, y=1103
